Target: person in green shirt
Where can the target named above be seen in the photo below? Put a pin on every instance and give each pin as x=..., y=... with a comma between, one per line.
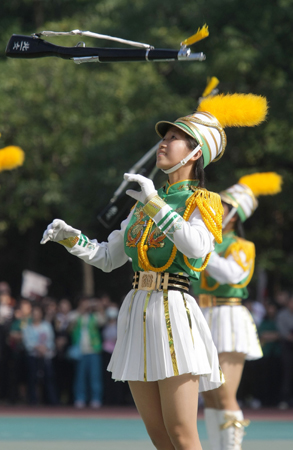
x=86, y=337
x=220, y=291
x=164, y=347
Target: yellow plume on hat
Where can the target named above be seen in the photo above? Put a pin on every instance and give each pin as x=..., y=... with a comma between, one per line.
x=11, y=157
x=266, y=183
x=236, y=110
x=198, y=36
x=212, y=83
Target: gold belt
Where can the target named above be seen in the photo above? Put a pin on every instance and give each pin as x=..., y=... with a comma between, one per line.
x=159, y=281
x=208, y=300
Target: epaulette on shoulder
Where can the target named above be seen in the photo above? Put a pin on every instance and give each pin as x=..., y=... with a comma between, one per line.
x=247, y=247
x=242, y=245
x=210, y=197
x=211, y=209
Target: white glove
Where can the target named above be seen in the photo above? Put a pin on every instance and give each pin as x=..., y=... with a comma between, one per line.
x=59, y=230
x=148, y=190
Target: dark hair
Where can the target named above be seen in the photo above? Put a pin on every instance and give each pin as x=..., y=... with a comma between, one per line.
x=198, y=169
x=238, y=227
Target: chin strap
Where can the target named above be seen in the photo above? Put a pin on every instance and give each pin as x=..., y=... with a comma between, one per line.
x=183, y=161
x=229, y=217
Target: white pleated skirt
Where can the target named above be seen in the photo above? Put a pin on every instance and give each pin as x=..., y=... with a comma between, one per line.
x=233, y=330
x=161, y=335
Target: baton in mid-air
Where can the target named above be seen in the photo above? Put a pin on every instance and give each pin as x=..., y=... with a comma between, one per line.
x=33, y=46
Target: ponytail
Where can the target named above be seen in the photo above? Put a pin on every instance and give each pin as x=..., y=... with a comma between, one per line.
x=199, y=172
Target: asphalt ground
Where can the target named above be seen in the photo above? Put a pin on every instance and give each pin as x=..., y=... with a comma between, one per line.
x=23, y=428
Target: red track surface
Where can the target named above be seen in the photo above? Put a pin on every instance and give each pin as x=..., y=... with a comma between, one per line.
x=128, y=412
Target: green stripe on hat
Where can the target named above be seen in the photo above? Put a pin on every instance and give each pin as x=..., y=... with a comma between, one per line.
x=189, y=130
x=241, y=214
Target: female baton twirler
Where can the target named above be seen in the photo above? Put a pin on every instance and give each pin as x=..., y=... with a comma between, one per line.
x=164, y=347
x=222, y=287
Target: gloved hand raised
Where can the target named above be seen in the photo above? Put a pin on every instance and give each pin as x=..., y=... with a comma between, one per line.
x=148, y=190
x=59, y=230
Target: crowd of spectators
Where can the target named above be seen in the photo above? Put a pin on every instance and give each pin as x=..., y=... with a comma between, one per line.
x=54, y=354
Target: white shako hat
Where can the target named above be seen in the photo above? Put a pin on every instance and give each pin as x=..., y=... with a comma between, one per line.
x=205, y=129
x=242, y=196
x=214, y=114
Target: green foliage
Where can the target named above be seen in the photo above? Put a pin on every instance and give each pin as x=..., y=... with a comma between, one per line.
x=83, y=126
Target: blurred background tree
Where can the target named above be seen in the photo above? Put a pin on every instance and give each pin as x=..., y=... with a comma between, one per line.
x=83, y=126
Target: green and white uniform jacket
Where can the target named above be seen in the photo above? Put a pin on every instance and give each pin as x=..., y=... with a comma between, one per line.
x=192, y=238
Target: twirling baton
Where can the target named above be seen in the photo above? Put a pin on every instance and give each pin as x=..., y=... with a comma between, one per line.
x=33, y=46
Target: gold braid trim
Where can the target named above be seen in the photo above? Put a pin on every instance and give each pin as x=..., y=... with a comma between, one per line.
x=202, y=267
x=204, y=284
x=142, y=248
x=211, y=209
x=212, y=218
x=248, y=249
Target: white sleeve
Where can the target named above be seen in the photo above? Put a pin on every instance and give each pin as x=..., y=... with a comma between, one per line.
x=107, y=256
x=226, y=270
x=192, y=238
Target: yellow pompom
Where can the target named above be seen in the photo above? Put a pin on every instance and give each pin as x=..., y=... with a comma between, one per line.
x=198, y=36
x=11, y=157
x=211, y=84
x=236, y=110
x=267, y=183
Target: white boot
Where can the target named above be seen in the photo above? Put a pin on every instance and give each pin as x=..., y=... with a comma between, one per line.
x=212, y=421
x=232, y=429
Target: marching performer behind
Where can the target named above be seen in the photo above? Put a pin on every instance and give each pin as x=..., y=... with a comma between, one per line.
x=222, y=287
x=164, y=347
